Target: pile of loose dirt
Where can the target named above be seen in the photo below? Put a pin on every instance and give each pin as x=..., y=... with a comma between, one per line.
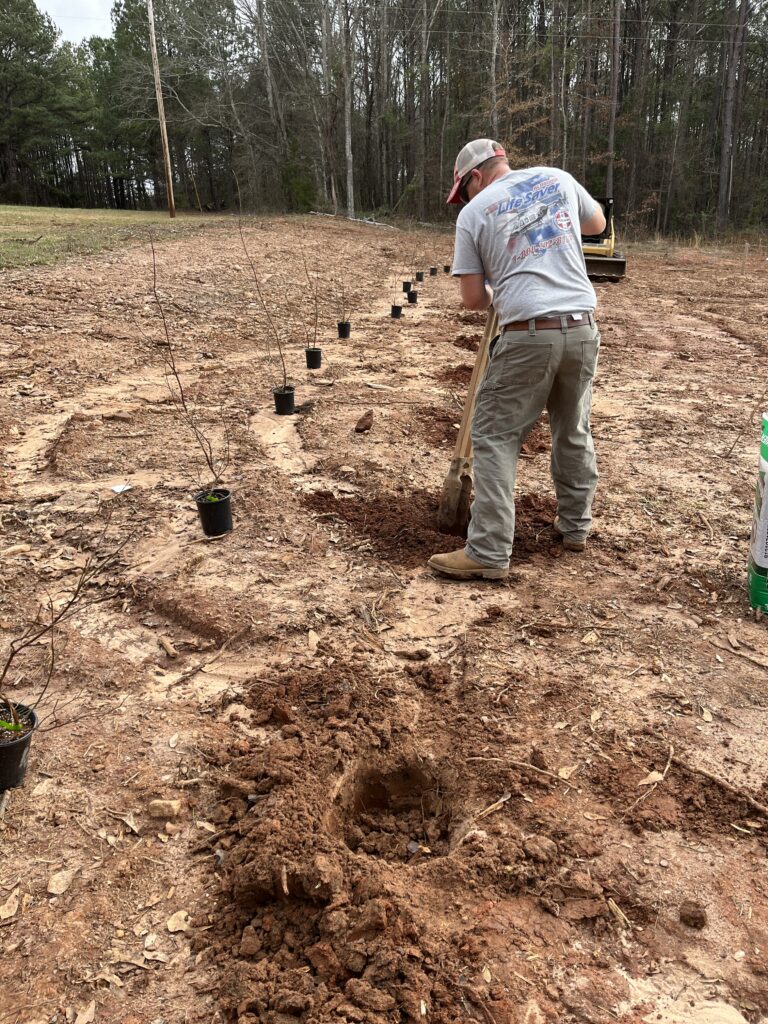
x=437, y=426
x=456, y=376
x=401, y=526
x=469, y=342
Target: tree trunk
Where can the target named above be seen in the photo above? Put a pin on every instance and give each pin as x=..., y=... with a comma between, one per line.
x=493, y=71
x=615, y=63
x=735, y=47
x=348, y=63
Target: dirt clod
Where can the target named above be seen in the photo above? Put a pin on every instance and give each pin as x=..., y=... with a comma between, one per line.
x=365, y=422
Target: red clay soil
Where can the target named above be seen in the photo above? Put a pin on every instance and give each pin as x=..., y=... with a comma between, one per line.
x=385, y=798
x=401, y=527
x=456, y=376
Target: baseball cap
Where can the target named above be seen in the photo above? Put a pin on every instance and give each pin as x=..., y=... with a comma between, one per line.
x=473, y=154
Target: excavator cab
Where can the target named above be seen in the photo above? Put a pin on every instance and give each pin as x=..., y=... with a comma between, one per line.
x=600, y=254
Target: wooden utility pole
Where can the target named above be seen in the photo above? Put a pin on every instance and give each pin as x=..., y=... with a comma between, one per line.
x=161, y=111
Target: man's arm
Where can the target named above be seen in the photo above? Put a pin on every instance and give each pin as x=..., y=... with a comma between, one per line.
x=475, y=293
x=595, y=224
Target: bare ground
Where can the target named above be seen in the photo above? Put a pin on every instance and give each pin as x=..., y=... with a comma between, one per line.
x=400, y=799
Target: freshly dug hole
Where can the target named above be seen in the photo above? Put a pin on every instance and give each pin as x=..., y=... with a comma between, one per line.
x=396, y=815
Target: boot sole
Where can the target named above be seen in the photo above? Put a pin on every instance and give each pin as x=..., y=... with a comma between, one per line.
x=469, y=574
x=570, y=545
x=574, y=545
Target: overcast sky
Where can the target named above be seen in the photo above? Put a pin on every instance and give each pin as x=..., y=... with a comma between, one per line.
x=79, y=19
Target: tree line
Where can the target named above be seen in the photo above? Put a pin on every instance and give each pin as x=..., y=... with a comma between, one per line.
x=361, y=105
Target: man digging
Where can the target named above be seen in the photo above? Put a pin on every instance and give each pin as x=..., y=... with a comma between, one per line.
x=518, y=248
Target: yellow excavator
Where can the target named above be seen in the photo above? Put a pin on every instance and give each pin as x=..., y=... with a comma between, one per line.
x=600, y=252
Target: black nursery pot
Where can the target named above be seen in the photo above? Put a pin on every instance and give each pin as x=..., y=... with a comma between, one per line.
x=15, y=753
x=433, y=271
x=413, y=297
x=215, y=516
x=284, y=400
x=419, y=276
x=314, y=358
x=396, y=312
x=407, y=286
x=446, y=268
x=344, y=328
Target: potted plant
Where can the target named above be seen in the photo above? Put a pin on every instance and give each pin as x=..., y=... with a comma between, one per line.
x=19, y=720
x=433, y=271
x=283, y=393
x=446, y=268
x=413, y=296
x=312, y=352
x=213, y=501
x=344, y=326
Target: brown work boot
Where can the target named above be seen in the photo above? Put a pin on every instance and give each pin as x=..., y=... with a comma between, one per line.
x=457, y=565
x=569, y=543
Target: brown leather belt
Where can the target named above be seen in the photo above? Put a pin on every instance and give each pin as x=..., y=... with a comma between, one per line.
x=552, y=323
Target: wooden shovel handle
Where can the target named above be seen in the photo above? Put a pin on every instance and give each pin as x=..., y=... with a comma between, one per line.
x=463, y=448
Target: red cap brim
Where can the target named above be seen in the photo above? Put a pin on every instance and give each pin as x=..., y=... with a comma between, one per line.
x=454, y=199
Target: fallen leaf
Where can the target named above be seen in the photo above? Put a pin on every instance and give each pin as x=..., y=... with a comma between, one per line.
x=61, y=881
x=87, y=1014
x=487, y=975
x=11, y=905
x=596, y=715
x=150, y=954
x=706, y=714
x=650, y=779
x=179, y=922
x=130, y=821
x=312, y=641
x=173, y=741
x=591, y=638
x=111, y=979
x=567, y=772
x=127, y=963
x=739, y=954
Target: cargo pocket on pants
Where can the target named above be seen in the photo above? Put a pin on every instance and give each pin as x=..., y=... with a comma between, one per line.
x=590, y=351
x=518, y=363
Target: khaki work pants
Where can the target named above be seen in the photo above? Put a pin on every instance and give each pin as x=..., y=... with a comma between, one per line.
x=528, y=372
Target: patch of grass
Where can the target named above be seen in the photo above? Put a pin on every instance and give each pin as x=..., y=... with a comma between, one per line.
x=38, y=235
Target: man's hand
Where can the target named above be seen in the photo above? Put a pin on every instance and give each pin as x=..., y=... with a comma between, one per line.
x=475, y=293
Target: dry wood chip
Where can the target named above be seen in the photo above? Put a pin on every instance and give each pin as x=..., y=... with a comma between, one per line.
x=87, y=1014
x=179, y=922
x=11, y=905
x=61, y=881
x=497, y=805
x=651, y=779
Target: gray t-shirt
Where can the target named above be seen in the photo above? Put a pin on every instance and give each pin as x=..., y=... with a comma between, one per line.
x=523, y=233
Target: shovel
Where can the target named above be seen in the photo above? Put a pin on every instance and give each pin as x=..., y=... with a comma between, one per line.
x=453, y=513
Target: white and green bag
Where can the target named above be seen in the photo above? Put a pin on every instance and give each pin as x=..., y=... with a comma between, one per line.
x=757, y=570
